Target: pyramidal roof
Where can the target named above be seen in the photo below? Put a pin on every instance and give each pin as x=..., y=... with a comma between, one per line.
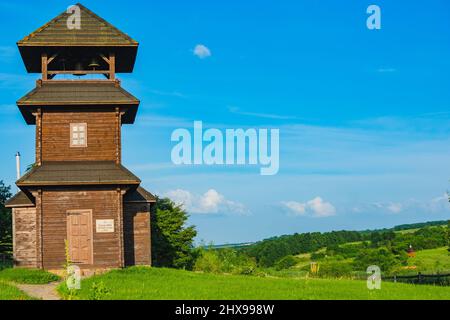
x=93, y=31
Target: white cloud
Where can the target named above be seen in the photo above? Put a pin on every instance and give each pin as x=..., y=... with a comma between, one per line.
x=321, y=208
x=437, y=205
x=296, y=207
x=208, y=203
x=202, y=51
x=180, y=197
x=316, y=207
x=395, y=207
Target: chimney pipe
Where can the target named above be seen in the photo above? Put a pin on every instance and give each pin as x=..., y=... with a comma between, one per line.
x=18, y=165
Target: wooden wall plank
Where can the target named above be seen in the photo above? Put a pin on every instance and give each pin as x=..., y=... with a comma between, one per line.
x=24, y=242
x=103, y=203
x=101, y=141
x=137, y=234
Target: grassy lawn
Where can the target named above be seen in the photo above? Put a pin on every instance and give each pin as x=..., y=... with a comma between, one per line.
x=9, y=292
x=27, y=276
x=431, y=261
x=142, y=283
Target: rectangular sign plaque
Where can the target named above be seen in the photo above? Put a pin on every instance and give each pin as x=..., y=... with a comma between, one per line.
x=105, y=226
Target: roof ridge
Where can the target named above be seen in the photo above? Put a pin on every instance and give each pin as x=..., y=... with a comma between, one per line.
x=106, y=22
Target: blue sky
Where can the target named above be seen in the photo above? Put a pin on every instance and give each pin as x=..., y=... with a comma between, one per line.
x=363, y=114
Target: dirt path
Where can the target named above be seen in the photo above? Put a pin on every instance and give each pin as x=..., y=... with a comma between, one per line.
x=41, y=291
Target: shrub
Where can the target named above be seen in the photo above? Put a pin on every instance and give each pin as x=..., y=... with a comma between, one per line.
x=286, y=262
x=335, y=269
x=224, y=261
x=317, y=255
x=208, y=261
x=98, y=291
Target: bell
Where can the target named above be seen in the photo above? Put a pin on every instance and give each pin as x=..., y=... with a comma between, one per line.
x=79, y=67
x=94, y=64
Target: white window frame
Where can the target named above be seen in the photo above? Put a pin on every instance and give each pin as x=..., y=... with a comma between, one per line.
x=75, y=140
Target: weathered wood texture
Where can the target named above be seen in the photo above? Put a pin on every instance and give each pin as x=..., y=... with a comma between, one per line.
x=102, y=136
x=104, y=205
x=137, y=234
x=24, y=237
x=39, y=137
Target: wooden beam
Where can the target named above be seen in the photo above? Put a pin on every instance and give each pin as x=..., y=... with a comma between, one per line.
x=51, y=58
x=112, y=66
x=105, y=58
x=44, y=65
x=120, y=194
x=79, y=72
x=118, y=138
x=39, y=255
x=39, y=136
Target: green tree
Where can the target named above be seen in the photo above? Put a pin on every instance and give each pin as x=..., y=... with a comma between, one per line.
x=448, y=236
x=172, y=240
x=5, y=220
x=380, y=257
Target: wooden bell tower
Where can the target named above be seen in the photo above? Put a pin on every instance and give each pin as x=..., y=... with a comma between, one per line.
x=78, y=194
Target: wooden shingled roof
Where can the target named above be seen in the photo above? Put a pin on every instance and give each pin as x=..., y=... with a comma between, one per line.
x=73, y=173
x=78, y=93
x=20, y=199
x=95, y=33
x=139, y=195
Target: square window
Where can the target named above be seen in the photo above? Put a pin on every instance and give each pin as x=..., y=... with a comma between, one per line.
x=78, y=135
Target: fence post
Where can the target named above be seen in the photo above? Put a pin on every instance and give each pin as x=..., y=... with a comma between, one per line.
x=419, y=277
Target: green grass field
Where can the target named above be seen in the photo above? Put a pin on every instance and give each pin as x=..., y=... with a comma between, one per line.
x=431, y=261
x=27, y=276
x=9, y=292
x=140, y=283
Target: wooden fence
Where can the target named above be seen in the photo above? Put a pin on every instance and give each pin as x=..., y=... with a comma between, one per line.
x=442, y=279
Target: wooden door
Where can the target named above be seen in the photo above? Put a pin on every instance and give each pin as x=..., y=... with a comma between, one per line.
x=79, y=235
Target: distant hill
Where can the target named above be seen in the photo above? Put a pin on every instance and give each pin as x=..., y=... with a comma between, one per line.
x=419, y=225
x=368, y=231
x=231, y=245
x=409, y=226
